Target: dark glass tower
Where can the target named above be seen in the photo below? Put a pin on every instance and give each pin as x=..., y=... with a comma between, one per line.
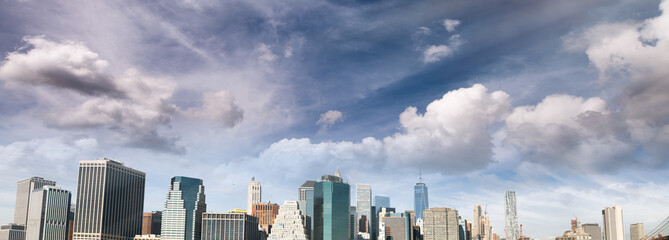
x=184, y=205
x=332, y=198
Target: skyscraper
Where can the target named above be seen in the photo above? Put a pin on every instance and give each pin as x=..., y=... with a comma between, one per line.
x=48, y=214
x=636, y=231
x=120, y=188
x=13, y=231
x=477, y=227
x=511, y=216
x=290, y=224
x=184, y=205
x=266, y=213
x=331, y=208
x=594, y=230
x=306, y=202
x=381, y=202
x=441, y=223
x=396, y=226
x=23, y=190
x=613, y=223
x=420, y=201
x=254, y=195
x=575, y=233
x=230, y=226
x=363, y=208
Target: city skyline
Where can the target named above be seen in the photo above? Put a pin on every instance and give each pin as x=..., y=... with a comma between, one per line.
x=563, y=103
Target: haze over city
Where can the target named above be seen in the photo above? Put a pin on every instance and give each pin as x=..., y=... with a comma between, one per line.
x=563, y=102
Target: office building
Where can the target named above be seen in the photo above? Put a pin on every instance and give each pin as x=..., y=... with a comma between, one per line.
x=613, y=223
x=23, y=190
x=306, y=202
x=290, y=223
x=511, y=216
x=392, y=225
x=331, y=208
x=636, y=231
x=577, y=232
x=477, y=227
x=254, y=195
x=184, y=205
x=151, y=223
x=441, y=223
x=230, y=226
x=420, y=201
x=48, y=212
x=266, y=213
x=121, y=189
x=12, y=231
x=351, y=223
x=70, y=223
x=363, y=208
x=594, y=230
x=381, y=202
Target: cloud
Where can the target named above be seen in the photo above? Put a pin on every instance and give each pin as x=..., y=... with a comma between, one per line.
x=424, y=31
x=328, y=119
x=571, y=132
x=134, y=106
x=220, y=107
x=435, y=53
x=450, y=137
x=69, y=65
x=266, y=54
x=451, y=24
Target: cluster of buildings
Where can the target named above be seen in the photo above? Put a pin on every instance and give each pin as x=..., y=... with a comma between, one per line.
x=110, y=199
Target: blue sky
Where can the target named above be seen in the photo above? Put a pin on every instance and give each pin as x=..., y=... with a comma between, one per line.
x=563, y=102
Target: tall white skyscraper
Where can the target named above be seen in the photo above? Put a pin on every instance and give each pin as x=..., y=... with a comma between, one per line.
x=47, y=216
x=23, y=190
x=364, y=209
x=636, y=231
x=511, y=216
x=289, y=224
x=254, y=195
x=476, y=222
x=184, y=205
x=110, y=201
x=613, y=223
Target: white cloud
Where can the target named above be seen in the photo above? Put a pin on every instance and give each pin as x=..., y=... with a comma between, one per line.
x=436, y=52
x=218, y=106
x=451, y=24
x=328, y=119
x=266, y=54
x=424, y=31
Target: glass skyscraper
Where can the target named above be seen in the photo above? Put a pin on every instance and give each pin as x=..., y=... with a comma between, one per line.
x=363, y=208
x=511, y=216
x=331, y=208
x=184, y=205
x=420, y=202
x=48, y=214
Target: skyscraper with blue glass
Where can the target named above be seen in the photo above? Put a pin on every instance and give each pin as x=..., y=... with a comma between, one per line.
x=306, y=202
x=185, y=203
x=420, y=202
x=332, y=198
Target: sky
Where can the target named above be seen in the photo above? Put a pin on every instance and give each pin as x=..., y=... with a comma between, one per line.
x=563, y=102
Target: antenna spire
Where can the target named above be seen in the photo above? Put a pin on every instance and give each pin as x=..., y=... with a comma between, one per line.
x=420, y=175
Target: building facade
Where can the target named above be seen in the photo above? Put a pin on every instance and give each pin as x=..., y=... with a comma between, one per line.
x=266, y=213
x=254, y=195
x=594, y=230
x=477, y=219
x=441, y=223
x=420, y=201
x=395, y=226
x=184, y=205
x=637, y=231
x=13, y=232
x=151, y=223
x=363, y=198
x=306, y=202
x=48, y=214
x=613, y=223
x=576, y=232
x=121, y=189
x=511, y=216
x=230, y=226
x=331, y=208
x=23, y=190
x=148, y=237
x=290, y=223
